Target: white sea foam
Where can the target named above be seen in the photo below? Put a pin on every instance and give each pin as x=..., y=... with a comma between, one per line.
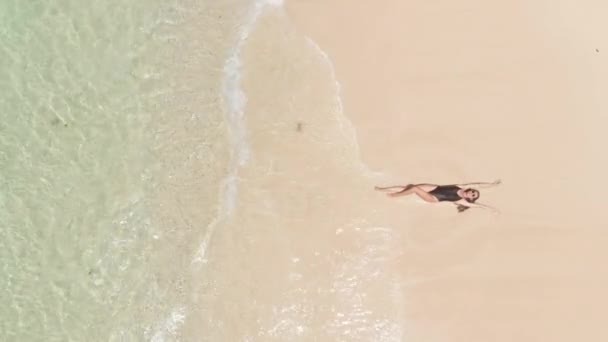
x=351, y=276
x=347, y=128
x=233, y=95
x=170, y=325
x=234, y=100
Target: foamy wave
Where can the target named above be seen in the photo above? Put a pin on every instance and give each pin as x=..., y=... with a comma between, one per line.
x=235, y=101
x=356, y=319
x=170, y=325
x=234, y=97
x=347, y=128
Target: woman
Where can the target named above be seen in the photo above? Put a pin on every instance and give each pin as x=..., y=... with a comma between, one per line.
x=462, y=195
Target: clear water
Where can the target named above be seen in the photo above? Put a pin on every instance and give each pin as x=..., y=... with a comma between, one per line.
x=86, y=96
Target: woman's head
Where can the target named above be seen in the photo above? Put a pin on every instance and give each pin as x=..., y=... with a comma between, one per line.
x=470, y=195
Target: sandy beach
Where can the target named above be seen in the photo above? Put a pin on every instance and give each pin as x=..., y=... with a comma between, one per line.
x=453, y=92
x=205, y=170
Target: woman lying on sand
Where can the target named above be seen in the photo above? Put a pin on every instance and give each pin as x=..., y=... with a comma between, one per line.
x=462, y=195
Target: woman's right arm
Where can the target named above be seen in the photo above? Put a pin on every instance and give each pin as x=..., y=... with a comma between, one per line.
x=477, y=205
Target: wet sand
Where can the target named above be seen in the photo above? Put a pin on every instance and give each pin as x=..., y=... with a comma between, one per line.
x=447, y=92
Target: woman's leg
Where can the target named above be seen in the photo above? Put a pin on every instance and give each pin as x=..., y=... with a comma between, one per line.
x=425, y=195
x=422, y=190
x=394, y=187
x=404, y=190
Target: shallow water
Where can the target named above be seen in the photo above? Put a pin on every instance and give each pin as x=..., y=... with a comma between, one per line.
x=304, y=256
x=149, y=153
x=86, y=88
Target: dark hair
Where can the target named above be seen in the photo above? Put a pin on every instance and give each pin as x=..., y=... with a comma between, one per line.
x=461, y=207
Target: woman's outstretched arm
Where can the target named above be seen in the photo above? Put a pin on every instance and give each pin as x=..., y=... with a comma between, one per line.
x=480, y=184
x=477, y=205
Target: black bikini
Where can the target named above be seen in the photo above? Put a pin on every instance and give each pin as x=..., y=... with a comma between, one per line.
x=446, y=193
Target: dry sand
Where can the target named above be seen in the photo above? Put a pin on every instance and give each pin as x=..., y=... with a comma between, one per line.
x=444, y=92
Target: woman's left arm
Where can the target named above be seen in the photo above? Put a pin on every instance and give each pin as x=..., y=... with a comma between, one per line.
x=480, y=184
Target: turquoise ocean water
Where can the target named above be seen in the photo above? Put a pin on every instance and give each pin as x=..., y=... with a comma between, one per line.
x=103, y=105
